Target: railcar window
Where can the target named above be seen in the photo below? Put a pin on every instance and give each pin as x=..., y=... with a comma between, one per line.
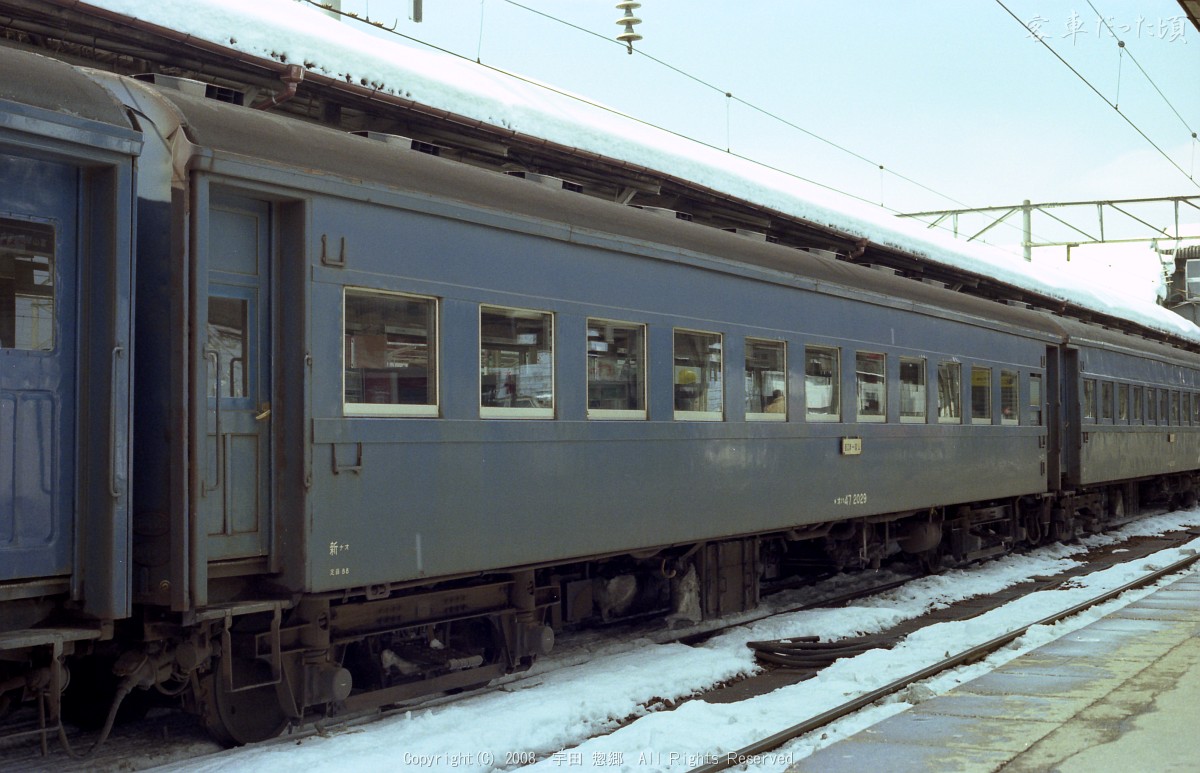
x=912, y=390
x=391, y=366
x=1196, y=409
x=950, y=392
x=699, y=392
x=1089, y=399
x=1035, y=399
x=1151, y=406
x=1175, y=408
x=1136, y=410
x=822, y=386
x=1106, y=400
x=871, y=372
x=1010, y=397
x=1163, y=398
x=981, y=395
x=227, y=337
x=766, y=380
x=26, y=285
x=616, y=362
x=1123, y=402
x=516, y=363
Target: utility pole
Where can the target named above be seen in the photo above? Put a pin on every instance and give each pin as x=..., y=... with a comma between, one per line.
x=1027, y=228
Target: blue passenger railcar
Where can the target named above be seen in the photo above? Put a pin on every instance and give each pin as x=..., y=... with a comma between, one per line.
x=67, y=153
x=450, y=405
x=1132, y=413
x=432, y=332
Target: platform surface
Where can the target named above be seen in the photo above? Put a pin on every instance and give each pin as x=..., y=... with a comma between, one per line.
x=1121, y=694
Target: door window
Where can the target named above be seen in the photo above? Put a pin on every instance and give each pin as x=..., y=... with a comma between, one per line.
x=26, y=285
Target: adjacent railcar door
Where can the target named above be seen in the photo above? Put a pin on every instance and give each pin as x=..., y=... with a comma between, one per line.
x=1053, y=398
x=38, y=205
x=235, y=498
x=1070, y=417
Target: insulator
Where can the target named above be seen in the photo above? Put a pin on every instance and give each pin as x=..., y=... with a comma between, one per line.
x=628, y=37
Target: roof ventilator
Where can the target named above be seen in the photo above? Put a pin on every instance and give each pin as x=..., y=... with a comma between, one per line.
x=664, y=212
x=548, y=181
x=405, y=142
x=193, y=87
x=882, y=268
x=757, y=236
x=188, y=86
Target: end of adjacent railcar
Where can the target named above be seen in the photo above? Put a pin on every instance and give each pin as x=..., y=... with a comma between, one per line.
x=67, y=162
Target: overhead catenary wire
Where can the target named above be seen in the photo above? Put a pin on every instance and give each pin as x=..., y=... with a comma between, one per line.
x=1098, y=93
x=606, y=108
x=729, y=96
x=1126, y=50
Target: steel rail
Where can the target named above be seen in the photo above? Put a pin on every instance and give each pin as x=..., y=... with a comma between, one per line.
x=971, y=655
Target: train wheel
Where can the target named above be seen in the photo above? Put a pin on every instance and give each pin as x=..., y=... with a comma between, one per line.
x=931, y=560
x=238, y=717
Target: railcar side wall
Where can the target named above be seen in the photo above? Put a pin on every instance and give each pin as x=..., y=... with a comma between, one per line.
x=403, y=498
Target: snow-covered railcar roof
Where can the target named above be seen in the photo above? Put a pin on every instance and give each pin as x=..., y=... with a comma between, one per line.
x=344, y=159
x=283, y=30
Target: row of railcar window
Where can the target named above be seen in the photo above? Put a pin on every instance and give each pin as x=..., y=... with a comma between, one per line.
x=391, y=369
x=1108, y=402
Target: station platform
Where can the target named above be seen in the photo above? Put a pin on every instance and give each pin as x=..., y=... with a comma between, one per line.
x=1120, y=694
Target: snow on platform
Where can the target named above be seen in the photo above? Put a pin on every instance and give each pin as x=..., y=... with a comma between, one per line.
x=1117, y=695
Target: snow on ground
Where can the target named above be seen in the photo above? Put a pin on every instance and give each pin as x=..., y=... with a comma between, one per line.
x=594, y=715
x=283, y=30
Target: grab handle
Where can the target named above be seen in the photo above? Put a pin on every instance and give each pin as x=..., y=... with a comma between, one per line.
x=113, y=472
x=213, y=357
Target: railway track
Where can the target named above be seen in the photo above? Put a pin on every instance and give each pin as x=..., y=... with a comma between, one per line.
x=169, y=737
x=808, y=660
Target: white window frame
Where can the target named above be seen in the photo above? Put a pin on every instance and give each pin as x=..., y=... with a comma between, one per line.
x=707, y=415
x=870, y=418
x=396, y=410
x=765, y=415
x=516, y=412
x=626, y=414
x=836, y=386
x=1015, y=419
x=924, y=417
